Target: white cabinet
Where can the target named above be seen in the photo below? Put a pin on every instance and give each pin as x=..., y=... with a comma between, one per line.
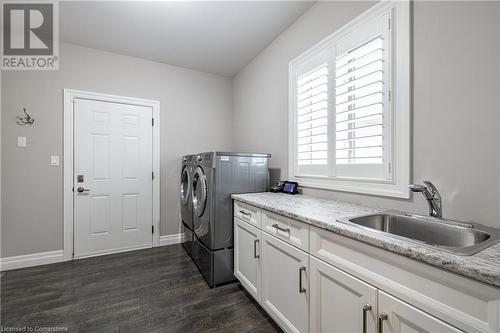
x=463, y=303
x=285, y=284
x=340, y=302
x=247, y=257
x=310, y=279
x=396, y=316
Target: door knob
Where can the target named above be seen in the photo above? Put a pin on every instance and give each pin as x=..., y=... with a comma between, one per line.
x=81, y=189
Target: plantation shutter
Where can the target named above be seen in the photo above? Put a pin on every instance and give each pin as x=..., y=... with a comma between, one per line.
x=361, y=112
x=312, y=115
x=342, y=107
x=359, y=104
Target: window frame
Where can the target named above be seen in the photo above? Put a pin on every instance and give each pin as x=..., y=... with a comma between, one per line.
x=399, y=108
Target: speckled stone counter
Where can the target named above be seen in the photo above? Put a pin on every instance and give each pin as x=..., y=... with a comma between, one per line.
x=327, y=214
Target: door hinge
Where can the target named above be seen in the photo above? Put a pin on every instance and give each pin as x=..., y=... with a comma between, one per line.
x=152, y=229
x=73, y=189
x=389, y=23
x=152, y=175
x=152, y=121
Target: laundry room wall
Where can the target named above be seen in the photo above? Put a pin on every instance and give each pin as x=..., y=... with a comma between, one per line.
x=456, y=102
x=196, y=115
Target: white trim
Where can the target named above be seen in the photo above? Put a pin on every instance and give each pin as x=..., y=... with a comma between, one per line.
x=29, y=260
x=171, y=239
x=69, y=96
x=119, y=250
x=401, y=116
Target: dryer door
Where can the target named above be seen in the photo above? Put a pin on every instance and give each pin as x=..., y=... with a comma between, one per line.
x=185, y=185
x=199, y=191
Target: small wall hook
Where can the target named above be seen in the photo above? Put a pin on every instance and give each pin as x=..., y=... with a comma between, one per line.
x=26, y=120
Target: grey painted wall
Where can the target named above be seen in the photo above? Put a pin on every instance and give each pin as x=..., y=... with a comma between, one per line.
x=456, y=110
x=456, y=117
x=32, y=189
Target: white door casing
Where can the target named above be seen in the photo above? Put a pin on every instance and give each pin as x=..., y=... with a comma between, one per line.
x=112, y=143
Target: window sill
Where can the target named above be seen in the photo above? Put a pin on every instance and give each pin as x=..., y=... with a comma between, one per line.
x=378, y=188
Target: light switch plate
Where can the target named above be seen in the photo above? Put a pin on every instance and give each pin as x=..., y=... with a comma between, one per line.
x=21, y=141
x=54, y=160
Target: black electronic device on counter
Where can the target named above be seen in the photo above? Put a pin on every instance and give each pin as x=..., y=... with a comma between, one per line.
x=290, y=187
x=285, y=187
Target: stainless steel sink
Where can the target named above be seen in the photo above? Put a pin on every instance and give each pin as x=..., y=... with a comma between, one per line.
x=455, y=237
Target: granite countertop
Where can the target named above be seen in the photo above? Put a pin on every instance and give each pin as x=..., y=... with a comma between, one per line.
x=327, y=214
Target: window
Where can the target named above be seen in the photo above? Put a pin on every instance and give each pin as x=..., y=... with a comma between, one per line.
x=349, y=107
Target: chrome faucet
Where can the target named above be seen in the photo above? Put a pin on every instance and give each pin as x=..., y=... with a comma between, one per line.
x=432, y=196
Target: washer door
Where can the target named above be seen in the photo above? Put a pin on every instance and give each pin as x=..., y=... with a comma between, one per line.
x=185, y=185
x=199, y=191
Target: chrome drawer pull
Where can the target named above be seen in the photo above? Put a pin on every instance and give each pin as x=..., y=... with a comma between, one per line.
x=381, y=318
x=301, y=289
x=366, y=308
x=280, y=228
x=255, y=255
x=245, y=213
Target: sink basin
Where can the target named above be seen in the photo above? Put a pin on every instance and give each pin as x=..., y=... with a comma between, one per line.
x=455, y=237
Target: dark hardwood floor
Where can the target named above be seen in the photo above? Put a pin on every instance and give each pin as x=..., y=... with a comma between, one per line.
x=154, y=290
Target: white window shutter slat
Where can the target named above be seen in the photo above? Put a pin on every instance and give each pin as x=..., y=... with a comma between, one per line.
x=312, y=117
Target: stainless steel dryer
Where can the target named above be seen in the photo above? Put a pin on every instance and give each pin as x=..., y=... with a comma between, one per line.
x=216, y=176
x=186, y=201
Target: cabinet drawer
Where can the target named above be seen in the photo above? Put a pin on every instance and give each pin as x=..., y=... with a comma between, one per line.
x=291, y=231
x=247, y=213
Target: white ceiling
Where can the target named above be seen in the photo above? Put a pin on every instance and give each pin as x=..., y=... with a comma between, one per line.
x=215, y=37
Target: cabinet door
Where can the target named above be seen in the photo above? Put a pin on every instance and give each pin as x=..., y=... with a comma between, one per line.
x=285, y=284
x=247, y=257
x=339, y=301
x=396, y=316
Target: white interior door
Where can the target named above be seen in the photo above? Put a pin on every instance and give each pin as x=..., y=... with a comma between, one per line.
x=113, y=186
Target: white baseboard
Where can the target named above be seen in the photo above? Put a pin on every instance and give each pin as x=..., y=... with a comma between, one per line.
x=43, y=258
x=171, y=239
x=30, y=260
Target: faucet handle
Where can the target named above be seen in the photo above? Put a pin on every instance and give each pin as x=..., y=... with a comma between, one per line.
x=432, y=196
x=417, y=188
x=422, y=189
x=433, y=189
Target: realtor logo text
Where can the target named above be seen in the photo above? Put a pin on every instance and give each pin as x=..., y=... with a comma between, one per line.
x=30, y=36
